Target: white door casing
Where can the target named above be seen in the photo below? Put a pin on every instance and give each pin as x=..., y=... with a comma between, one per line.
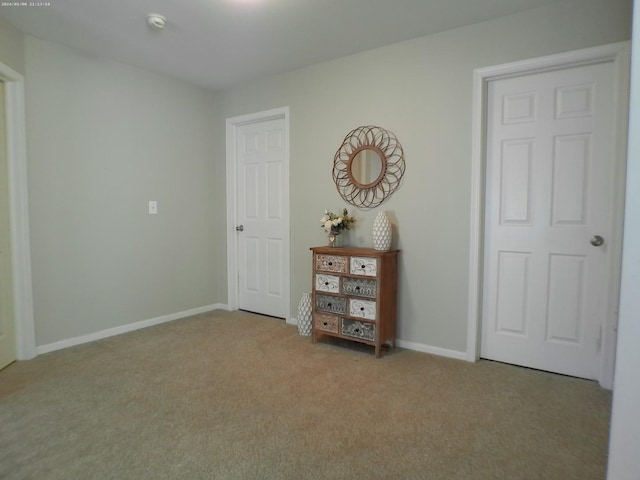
x=549, y=187
x=8, y=350
x=616, y=56
x=18, y=211
x=258, y=199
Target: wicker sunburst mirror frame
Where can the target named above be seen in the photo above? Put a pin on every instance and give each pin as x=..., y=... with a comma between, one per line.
x=368, y=166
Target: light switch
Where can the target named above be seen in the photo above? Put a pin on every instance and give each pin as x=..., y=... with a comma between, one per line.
x=153, y=207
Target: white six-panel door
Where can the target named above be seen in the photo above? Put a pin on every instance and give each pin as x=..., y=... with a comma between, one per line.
x=548, y=193
x=260, y=153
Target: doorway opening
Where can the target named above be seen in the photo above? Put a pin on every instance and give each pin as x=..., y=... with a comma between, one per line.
x=18, y=212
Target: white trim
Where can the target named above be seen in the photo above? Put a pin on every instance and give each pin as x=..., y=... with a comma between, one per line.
x=19, y=213
x=622, y=68
x=232, y=125
x=442, y=352
x=617, y=53
x=130, y=327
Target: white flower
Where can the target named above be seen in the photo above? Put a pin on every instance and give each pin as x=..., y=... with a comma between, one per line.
x=330, y=221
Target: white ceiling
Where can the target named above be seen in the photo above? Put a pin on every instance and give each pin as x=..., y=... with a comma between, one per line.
x=220, y=43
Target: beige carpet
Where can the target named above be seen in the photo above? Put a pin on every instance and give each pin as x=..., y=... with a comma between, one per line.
x=239, y=396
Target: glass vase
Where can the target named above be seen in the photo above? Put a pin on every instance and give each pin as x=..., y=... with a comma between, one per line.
x=335, y=239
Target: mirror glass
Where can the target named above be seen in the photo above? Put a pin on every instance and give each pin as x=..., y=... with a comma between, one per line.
x=366, y=166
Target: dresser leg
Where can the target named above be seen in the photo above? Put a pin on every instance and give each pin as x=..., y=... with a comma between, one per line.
x=377, y=351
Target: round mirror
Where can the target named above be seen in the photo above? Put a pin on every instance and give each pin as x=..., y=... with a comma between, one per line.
x=368, y=166
x=365, y=167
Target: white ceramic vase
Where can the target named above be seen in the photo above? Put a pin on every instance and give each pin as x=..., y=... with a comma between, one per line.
x=304, y=315
x=381, y=232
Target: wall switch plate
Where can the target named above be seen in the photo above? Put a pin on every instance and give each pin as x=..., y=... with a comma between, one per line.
x=153, y=207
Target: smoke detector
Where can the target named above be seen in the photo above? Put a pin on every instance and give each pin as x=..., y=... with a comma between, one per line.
x=156, y=21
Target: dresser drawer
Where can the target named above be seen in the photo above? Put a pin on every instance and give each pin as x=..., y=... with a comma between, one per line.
x=325, y=323
x=363, y=266
x=356, y=329
x=327, y=283
x=362, y=308
x=330, y=304
x=361, y=287
x=331, y=263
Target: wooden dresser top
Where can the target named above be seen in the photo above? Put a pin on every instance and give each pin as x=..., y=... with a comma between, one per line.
x=352, y=251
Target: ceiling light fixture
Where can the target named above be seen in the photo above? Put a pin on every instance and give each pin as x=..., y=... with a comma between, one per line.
x=156, y=21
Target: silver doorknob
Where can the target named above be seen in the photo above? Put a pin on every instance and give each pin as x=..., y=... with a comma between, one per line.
x=597, y=240
x=240, y=228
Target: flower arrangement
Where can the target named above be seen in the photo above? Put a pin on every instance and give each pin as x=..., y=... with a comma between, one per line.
x=332, y=222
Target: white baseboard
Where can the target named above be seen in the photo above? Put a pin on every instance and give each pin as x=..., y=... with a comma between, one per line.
x=418, y=347
x=443, y=352
x=130, y=327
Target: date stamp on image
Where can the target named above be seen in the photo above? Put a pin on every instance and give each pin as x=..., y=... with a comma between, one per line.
x=25, y=4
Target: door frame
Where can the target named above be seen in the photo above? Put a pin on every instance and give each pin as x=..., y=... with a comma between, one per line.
x=19, y=213
x=619, y=55
x=232, y=125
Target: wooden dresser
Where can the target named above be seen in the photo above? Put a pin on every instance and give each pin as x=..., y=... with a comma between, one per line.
x=354, y=295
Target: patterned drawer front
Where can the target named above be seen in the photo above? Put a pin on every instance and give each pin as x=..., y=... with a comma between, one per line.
x=325, y=323
x=327, y=283
x=354, y=328
x=359, y=286
x=362, y=308
x=327, y=303
x=364, y=266
x=331, y=263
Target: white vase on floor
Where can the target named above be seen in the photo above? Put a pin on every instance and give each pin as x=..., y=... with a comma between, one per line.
x=304, y=315
x=381, y=232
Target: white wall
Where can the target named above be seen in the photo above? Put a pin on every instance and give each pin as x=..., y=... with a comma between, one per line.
x=422, y=91
x=11, y=46
x=624, y=458
x=103, y=139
